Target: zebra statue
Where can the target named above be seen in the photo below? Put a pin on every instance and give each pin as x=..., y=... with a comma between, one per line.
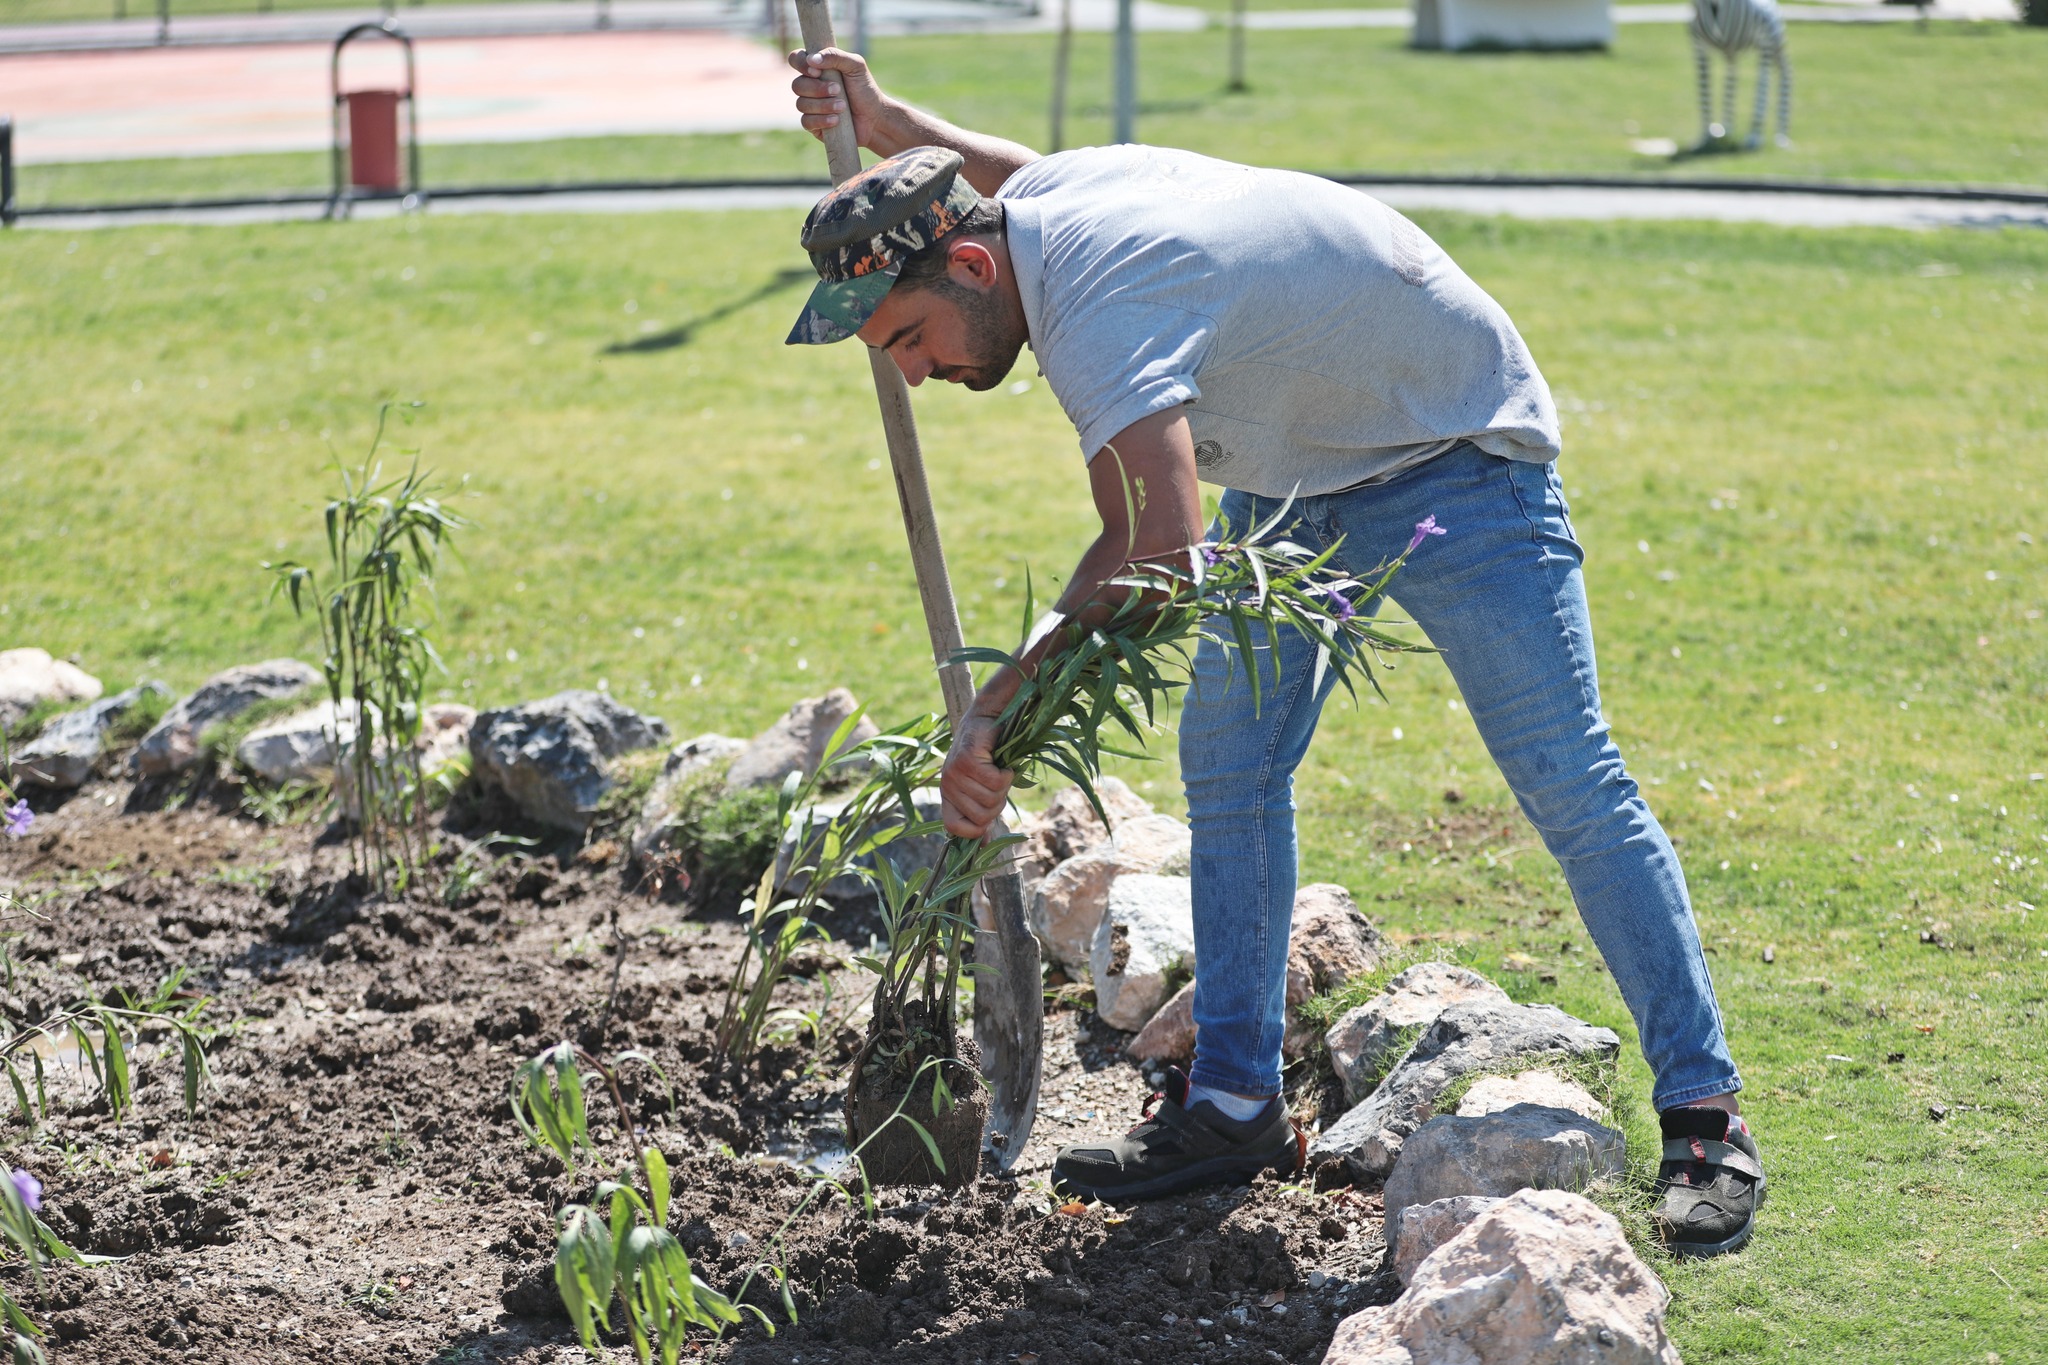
x=1732, y=27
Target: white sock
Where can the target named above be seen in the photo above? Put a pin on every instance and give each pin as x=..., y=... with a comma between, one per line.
x=1239, y=1107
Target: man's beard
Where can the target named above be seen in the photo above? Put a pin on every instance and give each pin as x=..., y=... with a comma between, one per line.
x=991, y=345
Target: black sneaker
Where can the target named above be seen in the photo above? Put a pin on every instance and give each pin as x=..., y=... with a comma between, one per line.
x=1175, y=1148
x=1710, y=1183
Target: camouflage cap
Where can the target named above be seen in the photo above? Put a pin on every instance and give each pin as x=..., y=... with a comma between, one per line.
x=860, y=234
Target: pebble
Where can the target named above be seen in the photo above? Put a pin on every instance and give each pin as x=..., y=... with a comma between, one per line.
x=1317, y=1279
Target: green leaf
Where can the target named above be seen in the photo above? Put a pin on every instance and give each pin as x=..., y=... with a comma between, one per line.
x=657, y=1183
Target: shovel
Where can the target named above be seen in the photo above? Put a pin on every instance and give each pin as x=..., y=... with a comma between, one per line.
x=1009, y=1016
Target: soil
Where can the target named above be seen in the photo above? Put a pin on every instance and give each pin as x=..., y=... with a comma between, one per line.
x=355, y=1189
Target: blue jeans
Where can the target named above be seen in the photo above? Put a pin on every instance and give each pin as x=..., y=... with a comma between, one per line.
x=1502, y=596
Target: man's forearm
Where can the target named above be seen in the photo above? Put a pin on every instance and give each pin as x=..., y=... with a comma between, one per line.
x=989, y=160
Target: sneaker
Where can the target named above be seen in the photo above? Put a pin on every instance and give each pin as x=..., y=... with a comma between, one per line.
x=1175, y=1148
x=1710, y=1183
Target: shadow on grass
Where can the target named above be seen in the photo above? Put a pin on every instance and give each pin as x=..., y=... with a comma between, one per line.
x=684, y=333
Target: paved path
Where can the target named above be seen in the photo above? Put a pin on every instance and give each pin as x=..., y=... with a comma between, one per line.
x=188, y=101
x=1728, y=206
x=885, y=17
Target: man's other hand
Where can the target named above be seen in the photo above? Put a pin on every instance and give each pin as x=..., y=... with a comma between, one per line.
x=822, y=107
x=972, y=789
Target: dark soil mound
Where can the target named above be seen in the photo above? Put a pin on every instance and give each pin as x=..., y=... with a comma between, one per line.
x=356, y=1190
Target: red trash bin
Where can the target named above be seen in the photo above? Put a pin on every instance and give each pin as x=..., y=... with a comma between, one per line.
x=373, y=147
x=382, y=139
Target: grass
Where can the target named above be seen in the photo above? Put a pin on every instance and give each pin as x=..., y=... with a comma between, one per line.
x=1808, y=468
x=1400, y=111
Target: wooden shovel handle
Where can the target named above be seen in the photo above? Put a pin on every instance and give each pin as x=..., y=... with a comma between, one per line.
x=906, y=458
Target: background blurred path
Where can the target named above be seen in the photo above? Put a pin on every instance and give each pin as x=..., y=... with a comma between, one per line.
x=95, y=106
x=1516, y=201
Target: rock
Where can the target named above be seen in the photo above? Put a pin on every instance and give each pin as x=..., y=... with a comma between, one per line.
x=1067, y=910
x=551, y=757
x=1542, y=1278
x=685, y=762
x=796, y=743
x=1465, y=1038
x=64, y=753
x=1492, y=1094
x=444, y=734
x=1154, y=843
x=1328, y=944
x=1367, y=1040
x=174, y=745
x=1169, y=1035
x=29, y=677
x=1146, y=937
x=1527, y=1147
x=1073, y=827
x=1414, y=1232
x=301, y=747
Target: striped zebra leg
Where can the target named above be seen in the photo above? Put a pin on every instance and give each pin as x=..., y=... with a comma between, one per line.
x=1699, y=57
x=1728, y=92
x=1784, y=96
x=1764, y=56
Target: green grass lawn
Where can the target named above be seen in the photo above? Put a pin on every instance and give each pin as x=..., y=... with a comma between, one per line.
x=1876, y=102
x=1809, y=469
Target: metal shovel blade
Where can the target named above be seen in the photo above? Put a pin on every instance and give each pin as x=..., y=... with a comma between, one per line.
x=1009, y=1013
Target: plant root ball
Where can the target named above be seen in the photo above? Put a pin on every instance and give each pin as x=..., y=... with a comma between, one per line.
x=895, y=1154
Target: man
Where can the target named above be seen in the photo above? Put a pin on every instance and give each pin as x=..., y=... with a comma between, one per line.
x=1279, y=334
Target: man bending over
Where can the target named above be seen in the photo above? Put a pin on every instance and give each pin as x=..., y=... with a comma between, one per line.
x=1278, y=334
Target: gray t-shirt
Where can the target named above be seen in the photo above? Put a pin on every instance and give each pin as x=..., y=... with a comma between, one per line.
x=1318, y=339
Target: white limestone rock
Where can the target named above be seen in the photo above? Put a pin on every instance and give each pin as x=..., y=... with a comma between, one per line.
x=174, y=745
x=1417, y=1230
x=1478, y=1036
x=302, y=747
x=1169, y=1035
x=1491, y=1094
x=1542, y=1278
x=1527, y=1147
x=1067, y=910
x=798, y=741
x=685, y=762
x=1366, y=1040
x=1146, y=938
x=1071, y=824
x=29, y=677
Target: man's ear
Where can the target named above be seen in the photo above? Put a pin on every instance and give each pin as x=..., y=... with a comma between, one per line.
x=971, y=265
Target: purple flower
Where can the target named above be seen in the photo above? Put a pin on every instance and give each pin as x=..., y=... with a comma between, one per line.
x=1209, y=554
x=1423, y=530
x=17, y=818
x=1340, y=606
x=29, y=1188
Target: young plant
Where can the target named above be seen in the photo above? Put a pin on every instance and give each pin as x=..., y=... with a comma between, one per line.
x=95, y=1029
x=824, y=852
x=618, y=1246
x=384, y=540
x=631, y=1255
x=1097, y=687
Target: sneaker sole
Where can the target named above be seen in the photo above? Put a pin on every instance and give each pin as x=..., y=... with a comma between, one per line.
x=1215, y=1171
x=1700, y=1251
